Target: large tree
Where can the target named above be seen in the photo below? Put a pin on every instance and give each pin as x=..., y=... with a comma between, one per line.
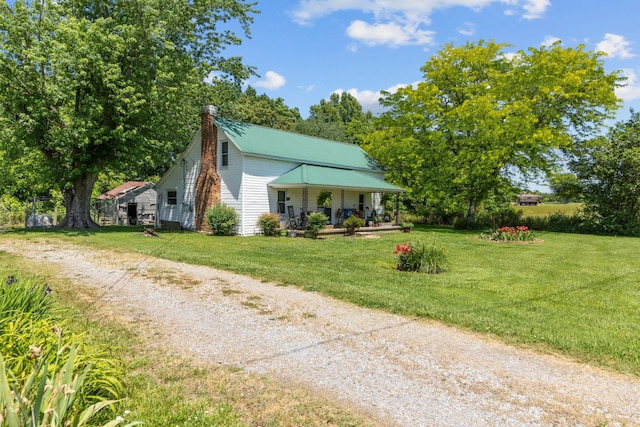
x=609, y=171
x=110, y=85
x=480, y=115
x=249, y=107
x=339, y=118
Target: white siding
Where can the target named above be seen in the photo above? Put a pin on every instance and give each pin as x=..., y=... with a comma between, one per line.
x=181, y=177
x=231, y=178
x=258, y=198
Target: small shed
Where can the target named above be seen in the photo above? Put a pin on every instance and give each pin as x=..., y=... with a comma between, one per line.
x=529, y=199
x=132, y=203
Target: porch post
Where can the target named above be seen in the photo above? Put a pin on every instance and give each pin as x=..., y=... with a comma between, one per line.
x=305, y=200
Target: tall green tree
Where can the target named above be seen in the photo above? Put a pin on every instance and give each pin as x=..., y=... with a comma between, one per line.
x=249, y=107
x=480, y=115
x=110, y=85
x=609, y=170
x=339, y=118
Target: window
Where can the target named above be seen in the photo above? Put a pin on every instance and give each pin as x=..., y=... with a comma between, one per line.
x=361, y=204
x=281, y=201
x=172, y=197
x=225, y=153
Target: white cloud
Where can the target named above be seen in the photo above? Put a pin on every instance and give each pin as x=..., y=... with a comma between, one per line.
x=535, y=8
x=403, y=22
x=549, y=40
x=631, y=90
x=369, y=99
x=391, y=34
x=467, y=29
x=271, y=81
x=616, y=46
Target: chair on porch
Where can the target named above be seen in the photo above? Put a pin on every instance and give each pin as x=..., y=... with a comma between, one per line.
x=293, y=223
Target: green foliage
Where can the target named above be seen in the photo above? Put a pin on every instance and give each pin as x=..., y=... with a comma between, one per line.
x=249, y=107
x=36, y=350
x=340, y=119
x=565, y=223
x=49, y=398
x=454, y=139
x=12, y=211
x=316, y=222
x=222, y=219
x=423, y=258
x=269, y=224
x=324, y=199
x=87, y=87
x=566, y=186
x=352, y=224
x=609, y=171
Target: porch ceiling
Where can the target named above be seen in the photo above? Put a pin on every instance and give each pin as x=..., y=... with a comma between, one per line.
x=326, y=177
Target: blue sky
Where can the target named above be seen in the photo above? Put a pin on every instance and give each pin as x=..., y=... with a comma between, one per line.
x=304, y=50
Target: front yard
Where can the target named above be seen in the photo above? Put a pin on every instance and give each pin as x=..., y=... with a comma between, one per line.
x=577, y=295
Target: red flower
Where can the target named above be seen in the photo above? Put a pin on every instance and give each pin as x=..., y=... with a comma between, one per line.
x=402, y=248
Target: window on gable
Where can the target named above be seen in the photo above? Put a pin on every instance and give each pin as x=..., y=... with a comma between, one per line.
x=172, y=197
x=225, y=153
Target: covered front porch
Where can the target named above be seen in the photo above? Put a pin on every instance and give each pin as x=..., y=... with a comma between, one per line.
x=337, y=193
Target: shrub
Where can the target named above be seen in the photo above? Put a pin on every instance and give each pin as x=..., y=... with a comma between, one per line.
x=12, y=211
x=430, y=258
x=316, y=222
x=352, y=224
x=269, y=224
x=563, y=223
x=536, y=222
x=222, y=219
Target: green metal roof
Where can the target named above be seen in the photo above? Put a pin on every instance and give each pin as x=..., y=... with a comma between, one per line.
x=319, y=176
x=273, y=143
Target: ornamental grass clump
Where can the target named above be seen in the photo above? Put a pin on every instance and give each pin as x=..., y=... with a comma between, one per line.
x=520, y=233
x=49, y=375
x=427, y=258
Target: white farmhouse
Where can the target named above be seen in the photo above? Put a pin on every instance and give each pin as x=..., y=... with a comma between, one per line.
x=259, y=170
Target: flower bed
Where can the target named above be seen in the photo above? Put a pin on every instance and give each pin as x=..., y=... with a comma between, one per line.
x=520, y=233
x=421, y=258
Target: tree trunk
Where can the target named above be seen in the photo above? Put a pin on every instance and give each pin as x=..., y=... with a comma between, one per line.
x=77, y=202
x=471, y=212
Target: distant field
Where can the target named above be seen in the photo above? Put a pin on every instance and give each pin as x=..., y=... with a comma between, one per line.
x=544, y=209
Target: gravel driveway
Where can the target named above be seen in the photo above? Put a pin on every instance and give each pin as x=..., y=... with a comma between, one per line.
x=403, y=371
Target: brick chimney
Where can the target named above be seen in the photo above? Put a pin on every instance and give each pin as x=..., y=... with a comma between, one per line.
x=208, y=183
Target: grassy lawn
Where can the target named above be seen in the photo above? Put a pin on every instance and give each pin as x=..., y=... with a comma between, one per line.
x=545, y=209
x=577, y=295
